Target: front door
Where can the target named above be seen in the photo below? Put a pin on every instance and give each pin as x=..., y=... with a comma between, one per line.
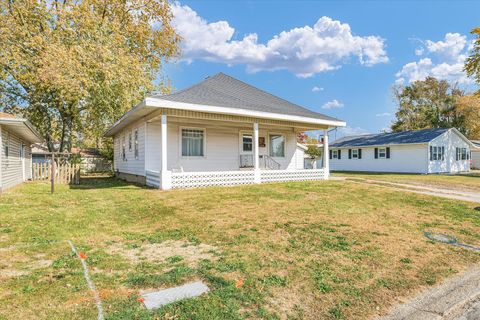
x=246, y=150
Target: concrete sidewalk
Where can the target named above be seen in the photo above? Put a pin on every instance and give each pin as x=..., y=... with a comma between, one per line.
x=456, y=299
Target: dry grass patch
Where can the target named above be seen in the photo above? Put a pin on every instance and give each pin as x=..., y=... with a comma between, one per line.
x=168, y=251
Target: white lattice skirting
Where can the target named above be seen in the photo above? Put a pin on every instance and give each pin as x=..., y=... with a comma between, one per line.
x=294, y=175
x=180, y=180
x=211, y=178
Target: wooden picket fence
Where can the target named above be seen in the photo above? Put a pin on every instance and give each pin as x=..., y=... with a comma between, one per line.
x=65, y=173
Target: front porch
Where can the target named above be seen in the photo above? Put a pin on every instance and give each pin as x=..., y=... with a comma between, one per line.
x=195, y=151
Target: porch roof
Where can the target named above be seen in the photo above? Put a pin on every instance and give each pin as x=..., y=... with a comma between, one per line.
x=226, y=95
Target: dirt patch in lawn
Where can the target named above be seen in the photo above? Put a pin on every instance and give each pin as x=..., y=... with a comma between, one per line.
x=18, y=264
x=167, y=251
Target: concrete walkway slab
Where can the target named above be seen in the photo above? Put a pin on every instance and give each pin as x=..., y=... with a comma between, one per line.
x=455, y=299
x=160, y=298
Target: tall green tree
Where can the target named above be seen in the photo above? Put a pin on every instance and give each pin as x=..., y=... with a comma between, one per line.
x=73, y=67
x=430, y=103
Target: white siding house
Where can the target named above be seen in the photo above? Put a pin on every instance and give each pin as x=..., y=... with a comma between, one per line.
x=16, y=138
x=220, y=131
x=423, y=151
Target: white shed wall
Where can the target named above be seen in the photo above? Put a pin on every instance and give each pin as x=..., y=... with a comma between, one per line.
x=403, y=158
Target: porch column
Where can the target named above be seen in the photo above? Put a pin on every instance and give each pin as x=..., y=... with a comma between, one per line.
x=256, y=161
x=326, y=155
x=165, y=175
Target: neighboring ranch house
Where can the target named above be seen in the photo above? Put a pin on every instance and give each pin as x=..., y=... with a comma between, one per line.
x=16, y=137
x=475, y=163
x=220, y=131
x=423, y=151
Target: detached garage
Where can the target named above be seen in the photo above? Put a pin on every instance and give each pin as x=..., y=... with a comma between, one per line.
x=438, y=150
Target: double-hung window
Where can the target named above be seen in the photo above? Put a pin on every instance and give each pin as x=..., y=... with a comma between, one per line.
x=382, y=153
x=247, y=143
x=7, y=145
x=124, y=156
x=355, y=153
x=462, y=154
x=437, y=153
x=135, y=144
x=334, y=154
x=193, y=142
x=277, y=145
x=130, y=142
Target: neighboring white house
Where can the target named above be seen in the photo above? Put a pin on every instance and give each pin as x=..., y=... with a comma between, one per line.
x=220, y=131
x=475, y=163
x=423, y=151
x=16, y=137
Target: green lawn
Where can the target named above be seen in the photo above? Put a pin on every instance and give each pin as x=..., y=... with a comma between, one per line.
x=466, y=182
x=331, y=249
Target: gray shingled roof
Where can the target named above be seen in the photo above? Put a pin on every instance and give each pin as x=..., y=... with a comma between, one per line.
x=224, y=91
x=476, y=143
x=406, y=137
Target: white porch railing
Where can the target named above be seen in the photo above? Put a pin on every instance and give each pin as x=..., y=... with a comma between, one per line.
x=181, y=180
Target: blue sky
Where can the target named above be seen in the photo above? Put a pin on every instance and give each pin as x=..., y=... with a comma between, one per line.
x=352, y=56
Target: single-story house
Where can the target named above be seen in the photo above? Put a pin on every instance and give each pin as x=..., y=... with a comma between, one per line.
x=475, y=163
x=426, y=151
x=16, y=137
x=220, y=131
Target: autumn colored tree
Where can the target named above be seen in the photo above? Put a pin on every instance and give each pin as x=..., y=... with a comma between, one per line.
x=429, y=103
x=468, y=109
x=74, y=67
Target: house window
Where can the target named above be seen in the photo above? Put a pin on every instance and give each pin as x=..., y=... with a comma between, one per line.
x=7, y=145
x=247, y=142
x=193, y=142
x=462, y=154
x=277, y=145
x=124, y=156
x=437, y=153
x=334, y=154
x=136, y=144
x=355, y=153
x=130, y=142
x=382, y=153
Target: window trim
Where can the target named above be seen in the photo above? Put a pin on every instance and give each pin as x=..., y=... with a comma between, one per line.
x=7, y=145
x=135, y=144
x=437, y=153
x=240, y=141
x=335, y=154
x=459, y=153
x=284, y=144
x=130, y=141
x=357, y=154
x=180, y=129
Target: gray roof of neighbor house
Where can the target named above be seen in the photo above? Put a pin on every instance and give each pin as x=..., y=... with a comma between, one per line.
x=405, y=137
x=225, y=91
x=476, y=143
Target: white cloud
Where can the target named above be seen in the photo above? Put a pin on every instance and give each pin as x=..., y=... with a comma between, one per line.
x=334, y=104
x=443, y=60
x=303, y=51
x=385, y=114
x=317, y=89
